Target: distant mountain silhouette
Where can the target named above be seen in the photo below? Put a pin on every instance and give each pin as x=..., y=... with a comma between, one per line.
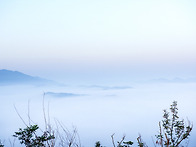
x=62, y=94
x=109, y=87
x=175, y=80
x=8, y=77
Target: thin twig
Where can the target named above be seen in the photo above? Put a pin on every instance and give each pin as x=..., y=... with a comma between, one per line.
x=123, y=138
x=43, y=105
x=113, y=140
x=161, y=134
x=29, y=112
x=153, y=142
x=20, y=116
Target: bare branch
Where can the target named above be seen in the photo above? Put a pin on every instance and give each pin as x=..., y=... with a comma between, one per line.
x=123, y=138
x=113, y=140
x=20, y=116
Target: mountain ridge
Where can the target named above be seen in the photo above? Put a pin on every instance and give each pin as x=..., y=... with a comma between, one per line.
x=9, y=77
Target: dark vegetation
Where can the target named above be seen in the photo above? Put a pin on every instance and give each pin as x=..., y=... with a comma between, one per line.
x=29, y=138
x=173, y=132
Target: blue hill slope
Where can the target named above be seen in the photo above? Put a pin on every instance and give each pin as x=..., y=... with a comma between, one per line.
x=8, y=77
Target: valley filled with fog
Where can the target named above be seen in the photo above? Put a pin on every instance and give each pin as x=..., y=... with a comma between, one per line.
x=97, y=111
x=103, y=67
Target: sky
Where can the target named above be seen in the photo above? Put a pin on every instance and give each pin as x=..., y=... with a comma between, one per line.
x=89, y=38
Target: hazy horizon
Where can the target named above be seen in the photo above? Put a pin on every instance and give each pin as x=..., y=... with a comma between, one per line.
x=135, y=55
x=110, y=40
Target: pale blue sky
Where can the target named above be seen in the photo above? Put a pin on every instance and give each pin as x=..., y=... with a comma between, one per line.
x=85, y=36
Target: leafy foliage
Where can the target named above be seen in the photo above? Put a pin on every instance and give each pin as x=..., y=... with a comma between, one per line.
x=1, y=145
x=122, y=143
x=98, y=144
x=172, y=130
x=172, y=133
x=29, y=137
x=126, y=144
x=141, y=142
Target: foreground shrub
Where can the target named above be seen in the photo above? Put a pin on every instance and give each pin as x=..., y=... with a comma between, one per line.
x=29, y=137
x=1, y=145
x=172, y=130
